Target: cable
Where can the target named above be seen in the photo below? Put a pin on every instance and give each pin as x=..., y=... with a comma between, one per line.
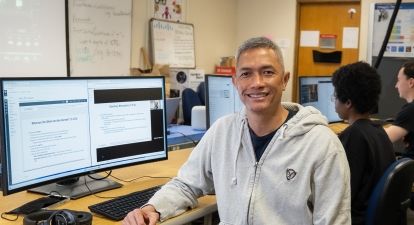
x=92, y=193
x=3, y=216
x=189, y=138
x=387, y=34
x=119, y=179
x=101, y=178
x=137, y=178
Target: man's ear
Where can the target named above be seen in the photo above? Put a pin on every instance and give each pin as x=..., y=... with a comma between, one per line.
x=348, y=104
x=286, y=78
x=411, y=82
x=233, y=79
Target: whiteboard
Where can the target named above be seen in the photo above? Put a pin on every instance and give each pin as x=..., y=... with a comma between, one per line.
x=172, y=43
x=33, y=38
x=100, y=37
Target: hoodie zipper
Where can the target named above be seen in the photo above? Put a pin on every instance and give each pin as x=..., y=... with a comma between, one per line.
x=251, y=193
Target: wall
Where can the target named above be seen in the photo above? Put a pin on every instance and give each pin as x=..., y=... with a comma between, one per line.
x=272, y=18
x=214, y=28
x=221, y=25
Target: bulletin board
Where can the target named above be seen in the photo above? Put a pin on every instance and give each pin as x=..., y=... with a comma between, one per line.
x=172, y=43
x=401, y=41
x=100, y=37
x=398, y=51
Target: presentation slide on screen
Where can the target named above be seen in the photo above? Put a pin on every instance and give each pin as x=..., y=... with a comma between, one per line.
x=119, y=123
x=46, y=126
x=42, y=123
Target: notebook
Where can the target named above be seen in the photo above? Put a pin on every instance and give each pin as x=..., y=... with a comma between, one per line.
x=172, y=106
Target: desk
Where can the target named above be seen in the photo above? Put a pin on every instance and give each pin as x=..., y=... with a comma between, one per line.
x=207, y=204
x=337, y=128
x=183, y=136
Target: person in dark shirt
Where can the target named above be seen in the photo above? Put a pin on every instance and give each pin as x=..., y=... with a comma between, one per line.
x=367, y=146
x=403, y=126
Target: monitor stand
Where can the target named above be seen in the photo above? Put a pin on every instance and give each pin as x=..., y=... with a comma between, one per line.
x=76, y=188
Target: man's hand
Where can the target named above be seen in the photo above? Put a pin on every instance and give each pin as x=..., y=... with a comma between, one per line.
x=145, y=216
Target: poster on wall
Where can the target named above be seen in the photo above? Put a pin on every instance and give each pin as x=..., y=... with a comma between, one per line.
x=401, y=41
x=172, y=10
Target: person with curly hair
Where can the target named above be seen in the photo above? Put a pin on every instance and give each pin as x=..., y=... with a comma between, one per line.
x=367, y=146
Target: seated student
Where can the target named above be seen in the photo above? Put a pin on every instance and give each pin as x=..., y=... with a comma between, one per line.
x=403, y=126
x=368, y=149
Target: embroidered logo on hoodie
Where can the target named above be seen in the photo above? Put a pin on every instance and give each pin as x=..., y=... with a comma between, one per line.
x=290, y=174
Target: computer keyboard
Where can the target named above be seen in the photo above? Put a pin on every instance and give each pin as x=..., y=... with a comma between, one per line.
x=119, y=207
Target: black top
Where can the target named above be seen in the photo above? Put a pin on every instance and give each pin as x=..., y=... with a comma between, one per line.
x=369, y=152
x=260, y=143
x=405, y=119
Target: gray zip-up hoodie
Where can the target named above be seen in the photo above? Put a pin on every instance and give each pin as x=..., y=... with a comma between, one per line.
x=301, y=178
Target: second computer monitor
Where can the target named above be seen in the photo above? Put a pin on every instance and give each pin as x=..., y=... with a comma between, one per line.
x=319, y=93
x=221, y=97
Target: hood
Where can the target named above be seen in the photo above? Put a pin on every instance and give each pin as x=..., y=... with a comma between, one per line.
x=305, y=119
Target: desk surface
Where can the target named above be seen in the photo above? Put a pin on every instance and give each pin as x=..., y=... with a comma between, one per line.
x=183, y=135
x=168, y=168
x=337, y=128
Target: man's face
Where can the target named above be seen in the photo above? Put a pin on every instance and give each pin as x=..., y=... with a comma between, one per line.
x=403, y=84
x=260, y=80
x=342, y=109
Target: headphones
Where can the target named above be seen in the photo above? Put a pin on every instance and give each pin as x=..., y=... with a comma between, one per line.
x=58, y=217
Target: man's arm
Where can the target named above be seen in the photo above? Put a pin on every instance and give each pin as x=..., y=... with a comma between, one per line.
x=395, y=133
x=331, y=188
x=144, y=216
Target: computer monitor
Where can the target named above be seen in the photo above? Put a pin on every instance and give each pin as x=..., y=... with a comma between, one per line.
x=319, y=93
x=221, y=97
x=58, y=128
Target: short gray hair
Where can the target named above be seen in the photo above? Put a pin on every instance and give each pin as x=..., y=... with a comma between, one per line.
x=260, y=42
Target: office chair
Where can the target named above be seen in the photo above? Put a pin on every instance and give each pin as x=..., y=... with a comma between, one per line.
x=190, y=99
x=390, y=199
x=201, y=91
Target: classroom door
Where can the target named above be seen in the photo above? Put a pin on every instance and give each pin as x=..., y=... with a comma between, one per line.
x=327, y=37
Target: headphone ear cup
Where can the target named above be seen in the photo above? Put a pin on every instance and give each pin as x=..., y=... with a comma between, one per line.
x=58, y=217
x=39, y=218
x=63, y=217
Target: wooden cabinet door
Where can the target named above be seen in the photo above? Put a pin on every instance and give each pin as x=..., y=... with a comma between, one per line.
x=330, y=19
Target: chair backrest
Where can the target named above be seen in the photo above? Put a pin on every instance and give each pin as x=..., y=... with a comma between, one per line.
x=201, y=91
x=190, y=99
x=390, y=199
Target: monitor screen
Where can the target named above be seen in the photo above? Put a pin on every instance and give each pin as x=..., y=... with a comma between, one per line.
x=221, y=98
x=56, y=128
x=319, y=93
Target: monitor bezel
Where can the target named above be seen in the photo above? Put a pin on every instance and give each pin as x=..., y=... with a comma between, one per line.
x=301, y=78
x=4, y=169
x=206, y=76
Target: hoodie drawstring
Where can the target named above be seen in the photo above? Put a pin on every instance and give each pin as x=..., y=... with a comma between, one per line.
x=234, y=179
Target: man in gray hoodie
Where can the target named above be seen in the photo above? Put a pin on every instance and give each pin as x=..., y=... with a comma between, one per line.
x=271, y=163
